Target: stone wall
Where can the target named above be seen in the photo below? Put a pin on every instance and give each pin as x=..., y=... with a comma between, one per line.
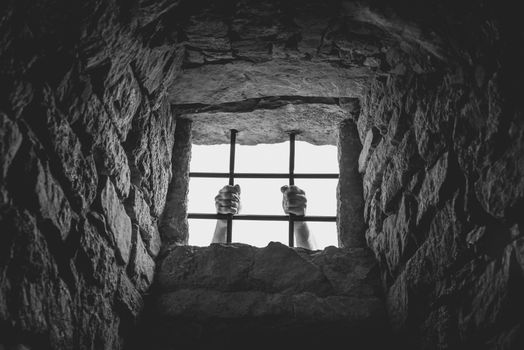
x=236, y=296
x=443, y=172
x=86, y=137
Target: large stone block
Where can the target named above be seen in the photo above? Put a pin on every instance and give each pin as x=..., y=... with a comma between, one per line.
x=78, y=170
x=404, y=162
x=398, y=232
x=118, y=222
x=142, y=266
x=40, y=304
x=173, y=224
x=267, y=289
x=140, y=214
x=368, y=146
x=494, y=297
x=123, y=100
x=500, y=186
x=351, y=272
x=350, y=207
x=10, y=141
x=291, y=274
x=218, y=266
x=431, y=121
x=32, y=184
x=96, y=259
x=157, y=67
x=128, y=299
x=433, y=186
x=377, y=164
x=150, y=147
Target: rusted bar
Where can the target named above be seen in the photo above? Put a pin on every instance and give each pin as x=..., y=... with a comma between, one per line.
x=291, y=182
x=265, y=175
x=229, y=235
x=261, y=217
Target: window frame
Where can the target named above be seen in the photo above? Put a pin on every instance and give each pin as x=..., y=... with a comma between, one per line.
x=291, y=176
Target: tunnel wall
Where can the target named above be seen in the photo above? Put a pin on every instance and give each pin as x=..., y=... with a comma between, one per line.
x=443, y=172
x=86, y=137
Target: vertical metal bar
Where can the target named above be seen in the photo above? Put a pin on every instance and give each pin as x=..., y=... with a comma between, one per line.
x=233, y=139
x=291, y=182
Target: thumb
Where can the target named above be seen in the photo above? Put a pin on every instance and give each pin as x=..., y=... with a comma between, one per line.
x=284, y=188
x=237, y=188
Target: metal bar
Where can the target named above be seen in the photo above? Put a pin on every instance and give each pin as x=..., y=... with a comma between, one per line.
x=265, y=175
x=291, y=182
x=262, y=217
x=229, y=235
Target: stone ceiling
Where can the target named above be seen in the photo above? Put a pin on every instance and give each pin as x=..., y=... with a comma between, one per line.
x=293, y=54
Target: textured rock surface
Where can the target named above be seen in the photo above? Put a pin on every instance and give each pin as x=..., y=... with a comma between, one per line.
x=87, y=94
x=314, y=123
x=350, y=201
x=442, y=225
x=270, y=290
x=231, y=82
x=79, y=83
x=173, y=224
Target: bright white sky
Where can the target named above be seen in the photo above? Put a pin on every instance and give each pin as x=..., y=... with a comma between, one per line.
x=263, y=196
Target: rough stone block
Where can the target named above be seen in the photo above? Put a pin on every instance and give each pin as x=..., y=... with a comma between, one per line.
x=118, y=222
x=128, y=298
x=350, y=271
x=159, y=66
x=500, y=186
x=404, y=162
x=10, y=141
x=32, y=184
x=52, y=203
x=142, y=266
x=293, y=273
x=350, y=207
x=367, y=148
x=112, y=159
x=239, y=283
x=431, y=191
x=398, y=232
x=39, y=301
x=96, y=259
x=397, y=303
x=173, y=224
x=149, y=147
x=376, y=166
x=220, y=267
x=430, y=123
x=78, y=170
x=140, y=214
x=493, y=297
x=123, y=100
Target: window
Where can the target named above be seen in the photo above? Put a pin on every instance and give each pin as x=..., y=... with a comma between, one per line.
x=263, y=179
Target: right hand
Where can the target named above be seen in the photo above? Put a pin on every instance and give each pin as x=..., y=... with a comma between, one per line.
x=227, y=201
x=293, y=200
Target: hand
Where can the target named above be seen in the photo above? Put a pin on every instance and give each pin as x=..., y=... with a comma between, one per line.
x=227, y=201
x=294, y=200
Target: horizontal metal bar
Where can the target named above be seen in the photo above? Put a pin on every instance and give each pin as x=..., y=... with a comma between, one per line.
x=261, y=217
x=265, y=175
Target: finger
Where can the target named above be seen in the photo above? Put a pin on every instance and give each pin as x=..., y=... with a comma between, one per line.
x=228, y=195
x=296, y=189
x=230, y=189
x=296, y=198
x=228, y=202
x=226, y=209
